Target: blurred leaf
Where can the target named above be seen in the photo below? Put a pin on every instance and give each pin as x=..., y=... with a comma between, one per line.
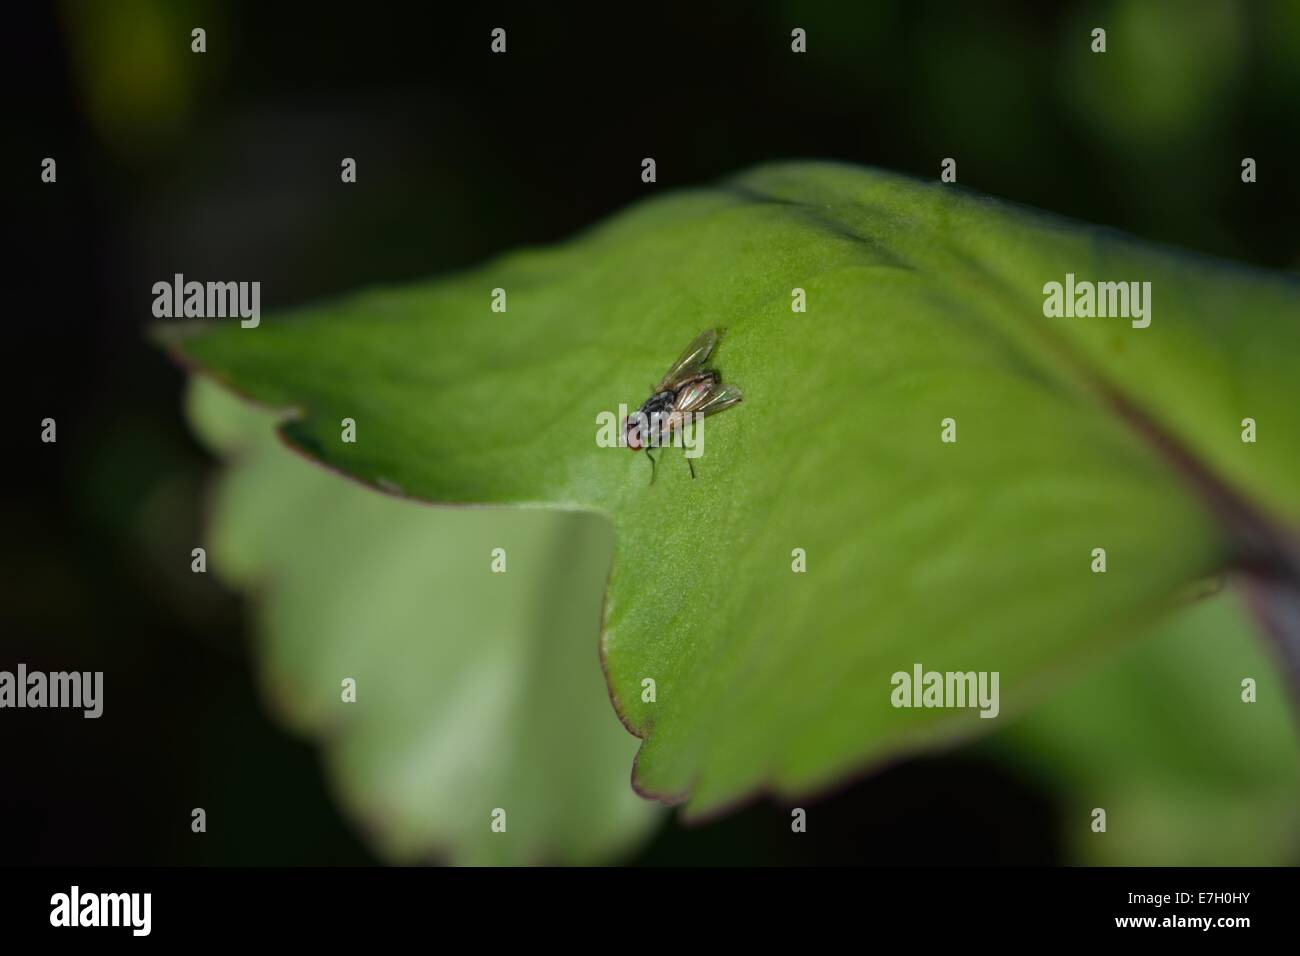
x=135, y=68
x=925, y=303
x=475, y=690
x=1189, y=774
x=1168, y=69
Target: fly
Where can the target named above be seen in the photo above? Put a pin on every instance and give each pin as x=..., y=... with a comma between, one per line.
x=688, y=388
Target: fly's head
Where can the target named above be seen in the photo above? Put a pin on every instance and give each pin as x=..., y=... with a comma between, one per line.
x=634, y=428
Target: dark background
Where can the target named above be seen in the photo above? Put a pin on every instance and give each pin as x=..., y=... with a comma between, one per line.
x=228, y=164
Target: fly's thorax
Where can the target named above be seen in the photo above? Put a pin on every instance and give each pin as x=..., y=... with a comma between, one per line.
x=659, y=402
x=650, y=423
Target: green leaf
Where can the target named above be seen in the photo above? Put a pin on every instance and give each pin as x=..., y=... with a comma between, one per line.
x=1188, y=773
x=924, y=303
x=474, y=690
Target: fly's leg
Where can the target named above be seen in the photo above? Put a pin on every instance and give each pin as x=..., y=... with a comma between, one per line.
x=690, y=465
x=652, y=465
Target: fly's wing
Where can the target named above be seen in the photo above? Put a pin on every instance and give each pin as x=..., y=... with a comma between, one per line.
x=707, y=397
x=692, y=360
